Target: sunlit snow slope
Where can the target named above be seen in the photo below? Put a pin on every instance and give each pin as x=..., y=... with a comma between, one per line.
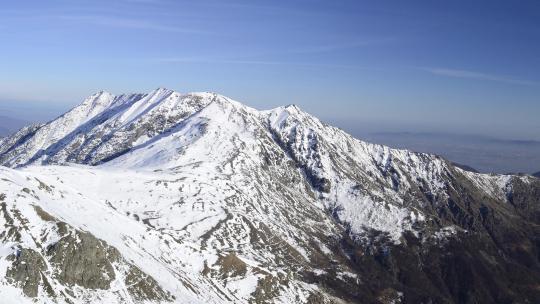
x=196, y=198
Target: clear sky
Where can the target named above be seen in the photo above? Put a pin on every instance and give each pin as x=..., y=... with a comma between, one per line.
x=450, y=66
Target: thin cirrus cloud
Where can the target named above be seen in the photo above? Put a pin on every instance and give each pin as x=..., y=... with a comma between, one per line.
x=254, y=62
x=248, y=60
x=343, y=46
x=465, y=74
x=130, y=24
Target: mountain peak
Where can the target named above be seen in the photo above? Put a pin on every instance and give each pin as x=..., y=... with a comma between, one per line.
x=161, y=91
x=199, y=189
x=100, y=97
x=292, y=107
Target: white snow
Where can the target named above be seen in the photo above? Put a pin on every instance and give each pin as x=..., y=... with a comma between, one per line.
x=197, y=175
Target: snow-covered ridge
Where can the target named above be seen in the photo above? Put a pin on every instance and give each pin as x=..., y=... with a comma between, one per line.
x=164, y=129
x=215, y=200
x=101, y=116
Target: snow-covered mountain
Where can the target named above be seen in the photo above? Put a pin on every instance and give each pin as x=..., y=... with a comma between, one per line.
x=196, y=198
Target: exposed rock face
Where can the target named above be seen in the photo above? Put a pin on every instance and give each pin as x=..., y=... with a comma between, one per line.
x=83, y=260
x=72, y=259
x=143, y=288
x=26, y=271
x=231, y=265
x=198, y=199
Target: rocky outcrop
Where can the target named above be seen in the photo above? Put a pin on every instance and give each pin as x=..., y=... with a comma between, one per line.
x=27, y=271
x=83, y=260
x=73, y=259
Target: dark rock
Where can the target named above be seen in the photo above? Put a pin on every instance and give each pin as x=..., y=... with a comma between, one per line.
x=26, y=270
x=83, y=260
x=231, y=265
x=142, y=287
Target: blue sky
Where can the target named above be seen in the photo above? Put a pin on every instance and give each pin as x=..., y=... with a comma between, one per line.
x=442, y=66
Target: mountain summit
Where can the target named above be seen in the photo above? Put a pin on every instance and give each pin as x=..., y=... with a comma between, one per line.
x=196, y=198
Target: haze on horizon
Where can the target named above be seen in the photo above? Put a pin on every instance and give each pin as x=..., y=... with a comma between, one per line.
x=457, y=67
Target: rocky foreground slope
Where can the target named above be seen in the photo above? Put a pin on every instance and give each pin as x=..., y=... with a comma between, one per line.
x=195, y=198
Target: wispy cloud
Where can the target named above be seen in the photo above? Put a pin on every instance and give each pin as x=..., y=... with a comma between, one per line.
x=130, y=23
x=257, y=62
x=251, y=59
x=145, y=1
x=465, y=74
x=331, y=47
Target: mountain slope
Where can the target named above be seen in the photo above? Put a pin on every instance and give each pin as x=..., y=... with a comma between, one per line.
x=199, y=198
x=100, y=128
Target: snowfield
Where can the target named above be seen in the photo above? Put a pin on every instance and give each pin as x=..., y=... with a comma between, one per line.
x=196, y=198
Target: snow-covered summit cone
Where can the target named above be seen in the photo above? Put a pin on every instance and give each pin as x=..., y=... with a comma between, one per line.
x=100, y=128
